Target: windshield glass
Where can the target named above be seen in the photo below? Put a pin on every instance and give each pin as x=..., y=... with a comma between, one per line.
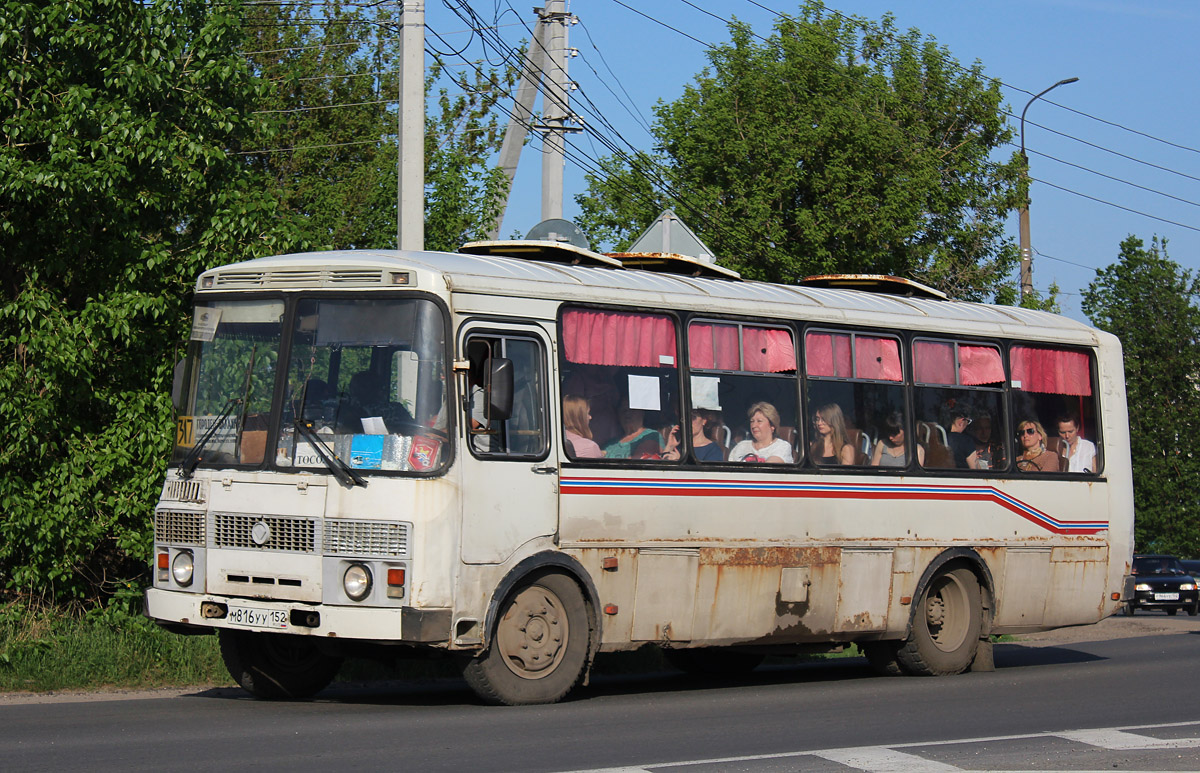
x=228, y=381
x=1157, y=565
x=368, y=377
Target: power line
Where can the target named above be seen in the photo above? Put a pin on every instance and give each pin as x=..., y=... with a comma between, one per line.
x=1118, y=206
x=1113, y=178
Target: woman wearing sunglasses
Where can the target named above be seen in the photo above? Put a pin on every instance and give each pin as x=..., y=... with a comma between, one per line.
x=1035, y=457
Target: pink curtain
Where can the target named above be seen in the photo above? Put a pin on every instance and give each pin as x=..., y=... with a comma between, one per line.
x=979, y=365
x=768, y=350
x=1051, y=371
x=618, y=338
x=827, y=354
x=713, y=346
x=877, y=358
x=933, y=362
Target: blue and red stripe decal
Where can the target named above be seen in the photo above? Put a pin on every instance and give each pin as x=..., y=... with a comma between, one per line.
x=783, y=489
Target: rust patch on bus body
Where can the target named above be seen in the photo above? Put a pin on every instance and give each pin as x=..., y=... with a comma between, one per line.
x=770, y=556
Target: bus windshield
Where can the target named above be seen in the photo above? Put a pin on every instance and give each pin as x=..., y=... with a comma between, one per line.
x=229, y=381
x=365, y=382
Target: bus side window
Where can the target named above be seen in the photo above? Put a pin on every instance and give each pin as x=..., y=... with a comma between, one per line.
x=959, y=404
x=522, y=433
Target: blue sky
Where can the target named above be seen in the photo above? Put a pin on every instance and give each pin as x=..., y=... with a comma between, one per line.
x=1137, y=64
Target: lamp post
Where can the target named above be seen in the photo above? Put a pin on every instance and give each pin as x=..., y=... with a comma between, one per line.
x=1026, y=250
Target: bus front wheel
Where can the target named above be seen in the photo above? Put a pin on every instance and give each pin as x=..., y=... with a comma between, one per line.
x=539, y=647
x=277, y=666
x=946, y=626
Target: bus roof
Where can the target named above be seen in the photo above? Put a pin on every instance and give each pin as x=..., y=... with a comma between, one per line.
x=522, y=278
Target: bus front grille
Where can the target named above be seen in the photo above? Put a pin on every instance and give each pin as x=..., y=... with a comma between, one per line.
x=273, y=532
x=176, y=528
x=366, y=538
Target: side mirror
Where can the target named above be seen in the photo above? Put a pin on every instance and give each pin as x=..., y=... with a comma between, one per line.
x=177, y=387
x=500, y=389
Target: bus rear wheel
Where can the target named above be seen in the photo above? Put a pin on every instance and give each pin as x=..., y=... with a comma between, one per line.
x=277, y=666
x=946, y=627
x=539, y=648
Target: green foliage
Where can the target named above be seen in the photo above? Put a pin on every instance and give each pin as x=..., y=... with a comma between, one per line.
x=1150, y=302
x=43, y=649
x=331, y=71
x=837, y=145
x=118, y=183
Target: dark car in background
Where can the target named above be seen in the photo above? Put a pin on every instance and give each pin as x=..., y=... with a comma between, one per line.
x=1192, y=567
x=1162, y=582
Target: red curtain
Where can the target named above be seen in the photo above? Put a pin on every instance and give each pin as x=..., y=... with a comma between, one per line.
x=933, y=362
x=877, y=358
x=979, y=365
x=768, y=350
x=713, y=346
x=1051, y=371
x=827, y=354
x=618, y=338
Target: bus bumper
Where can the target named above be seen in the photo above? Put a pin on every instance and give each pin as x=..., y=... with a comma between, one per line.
x=183, y=612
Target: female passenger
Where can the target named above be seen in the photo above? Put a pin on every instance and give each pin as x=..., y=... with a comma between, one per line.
x=762, y=445
x=703, y=448
x=577, y=419
x=890, y=451
x=636, y=442
x=831, y=445
x=1035, y=457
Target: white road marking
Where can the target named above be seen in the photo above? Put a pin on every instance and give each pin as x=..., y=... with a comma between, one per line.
x=887, y=759
x=1119, y=740
x=881, y=759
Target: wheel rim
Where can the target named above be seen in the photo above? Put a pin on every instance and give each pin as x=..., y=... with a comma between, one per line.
x=947, y=613
x=533, y=634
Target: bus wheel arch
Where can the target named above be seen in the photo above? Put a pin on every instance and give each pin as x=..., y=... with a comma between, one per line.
x=541, y=633
x=950, y=615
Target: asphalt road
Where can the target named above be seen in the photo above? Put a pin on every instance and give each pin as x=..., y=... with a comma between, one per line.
x=1048, y=706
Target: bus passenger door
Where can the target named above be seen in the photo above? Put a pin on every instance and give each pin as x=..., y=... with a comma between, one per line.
x=509, y=466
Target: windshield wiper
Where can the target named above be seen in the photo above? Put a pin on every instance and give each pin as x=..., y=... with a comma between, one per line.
x=193, y=458
x=342, y=471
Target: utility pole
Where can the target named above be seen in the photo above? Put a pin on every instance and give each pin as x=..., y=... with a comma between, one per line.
x=521, y=117
x=555, y=110
x=410, y=193
x=1023, y=212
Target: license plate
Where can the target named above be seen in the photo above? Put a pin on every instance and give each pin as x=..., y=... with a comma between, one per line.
x=1166, y=597
x=256, y=617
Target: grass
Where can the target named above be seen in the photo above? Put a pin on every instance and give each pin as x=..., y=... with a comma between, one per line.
x=47, y=650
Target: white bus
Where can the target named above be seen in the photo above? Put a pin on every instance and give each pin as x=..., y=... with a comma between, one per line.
x=523, y=454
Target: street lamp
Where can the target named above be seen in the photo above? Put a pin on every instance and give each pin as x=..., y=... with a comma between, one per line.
x=1026, y=250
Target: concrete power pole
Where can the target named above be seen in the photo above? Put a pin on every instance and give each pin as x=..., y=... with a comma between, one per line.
x=410, y=193
x=555, y=110
x=521, y=117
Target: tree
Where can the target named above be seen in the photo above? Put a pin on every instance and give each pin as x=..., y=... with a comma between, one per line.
x=835, y=145
x=119, y=180
x=331, y=141
x=1147, y=300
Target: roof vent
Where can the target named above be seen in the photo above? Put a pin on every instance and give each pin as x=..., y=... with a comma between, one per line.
x=875, y=283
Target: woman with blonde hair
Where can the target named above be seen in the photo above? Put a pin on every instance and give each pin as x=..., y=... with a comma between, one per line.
x=577, y=428
x=1035, y=457
x=832, y=445
x=762, y=445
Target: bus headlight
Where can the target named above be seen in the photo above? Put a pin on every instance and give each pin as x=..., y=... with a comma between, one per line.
x=182, y=568
x=357, y=582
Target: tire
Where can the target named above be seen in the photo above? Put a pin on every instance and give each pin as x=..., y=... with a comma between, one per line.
x=946, y=627
x=714, y=661
x=1172, y=611
x=1130, y=609
x=277, y=666
x=539, y=647
x=882, y=657
x=1194, y=609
